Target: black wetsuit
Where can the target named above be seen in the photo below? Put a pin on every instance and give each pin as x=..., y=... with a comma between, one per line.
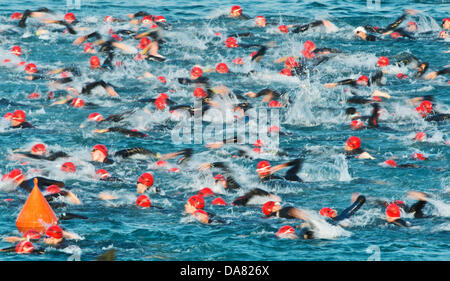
x=243, y=200
x=52, y=156
x=24, y=125
x=28, y=185
x=231, y=182
x=350, y=211
x=305, y=27
x=283, y=213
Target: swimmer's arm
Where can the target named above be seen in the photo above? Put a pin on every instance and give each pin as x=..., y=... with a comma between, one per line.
x=13, y=239
x=106, y=196
x=378, y=93
x=297, y=213
x=395, y=24
x=63, y=101
x=279, y=167
x=434, y=74
x=22, y=22
x=215, y=145
x=365, y=155
x=73, y=198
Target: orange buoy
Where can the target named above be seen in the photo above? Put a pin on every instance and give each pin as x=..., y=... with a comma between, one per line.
x=36, y=213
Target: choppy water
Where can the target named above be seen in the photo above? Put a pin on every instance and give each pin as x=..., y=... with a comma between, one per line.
x=315, y=122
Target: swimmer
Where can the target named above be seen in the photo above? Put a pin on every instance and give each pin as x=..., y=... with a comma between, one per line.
x=18, y=179
x=266, y=172
x=18, y=120
x=39, y=152
x=336, y=218
x=353, y=148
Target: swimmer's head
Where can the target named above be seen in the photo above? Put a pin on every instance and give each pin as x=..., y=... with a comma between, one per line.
x=201, y=216
x=260, y=21
x=411, y=26
x=270, y=207
x=420, y=136
x=24, y=247
x=283, y=29
x=205, y=192
x=160, y=19
x=328, y=212
x=200, y=93
x=363, y=80
x=219, y=201
x=97, y=117
x=16, y=176
x=290, y=63
x=94, y=62
x=143, y=201
x=352, y=143
x=99, y=153
x=16, y=16
x=68, y=167
x=392, y=211
x=144, y=182
x=390, y=163
x=32, y=235
x=309, y=46
x=54, y=231
x=77, y=102
x=38, y=149
x=443, y=34
x=196, y=72
x=382, y=61
x=16, y=50
x=222, y=68
x=231, y=42
x=31, y=68
x=194, y=203
x=69, y=17
x=145, y=41
x=446, y=23
x=357, y=124
x=102, y=173
x=236, y=11
x=18, y=117
x=360, y=32
x=286, y=232
x=286, y=72
x=263, y=168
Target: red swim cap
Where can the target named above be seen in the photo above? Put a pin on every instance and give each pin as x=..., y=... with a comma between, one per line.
x=145, y=41
x=205, y=192
x=260, y=19
x=69, y=17
x=290, y=62
x=391, y=163
x=8, y=116
x=201, y=215
x=309, y=46
x=53, y=189
x=418, y=156
x=162, y=79
x=95, y=117
x=16, y=175
x=219, y=201
x=32, y=235
x=353, y=142
x=222, y=68
x=327, y=212
x=275, y=129
x=146, y=179
x=68, y=167
x=357, y=124
x=286, y=72
x=16, y=50
x=420, y=136
x=161, y=163
x=445, y=20
x=274, y=103
x=160, y=102
x=401, y=76
x=24, y=247
x=39, y=149
x=427, y=105
x=283, y=28
x=88, y=46
x=19, y=115
x=101, y=148
x=196, y=201
x=16, y=16
x=33, y=96
x=362, y=80
x=236, y=10
x=258, y=143
x=160, y=19
x=200, y=93
x=238, y=61
x=393, y=211
x=143, y=201
x=395, y=35
x=231, y=42
x=268, y=206
x=147, y=19
x=103, y=173
x=285, y=231
x=95, y=62
x=219, y=177
x=383, y=61
x=31, y=68
x=77, y=102
x=54, y=231
x=263, y=168
x=196, y=72
x=109, y=19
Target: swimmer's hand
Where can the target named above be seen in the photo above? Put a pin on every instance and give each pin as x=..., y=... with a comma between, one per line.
x=431, y=75
x=101, y=131
x=355, y=196
x=250, y=94
x=79, y=40
x=280, y=60
x=330, y=85
x=204, y=166
x=378, y=93
x=106, y=196
x=214, y=145
x=417, y=195
x=412, y=11
x=13, y=239
x=365, y=155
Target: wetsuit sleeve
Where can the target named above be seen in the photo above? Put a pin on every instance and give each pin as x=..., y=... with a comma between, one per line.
x=125, y=153
x=266, y=92
x=291, y=174
x=401, y=222
x=303, y=28
x=416, y=208
x=261, y=52
x=47, y=182
x=395, y=24
x=444, y=71
x=141, y=14
x=326, y=50
x=376, y=78
x=350, y=211
x=89, y=87
x=350, y=82
x=25, y=15
x=95, y=35
x=118, y=117
x=57, y=155
x=127, y=132
x=107, y=64
x=373, y=120
x=68, y=26
x=243, y=200
x=422, y=70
